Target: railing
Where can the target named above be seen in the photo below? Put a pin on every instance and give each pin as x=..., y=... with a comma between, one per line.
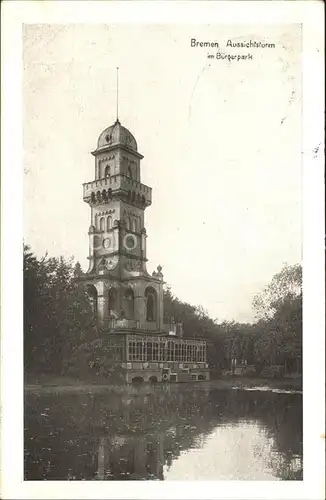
x=123, y=323
x=99, y=184
x=116, y=182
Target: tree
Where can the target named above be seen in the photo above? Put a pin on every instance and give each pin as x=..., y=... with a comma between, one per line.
x=284, y=288
x=195, y=319
x=196, y=324
x=57, y=313
x=279, y=308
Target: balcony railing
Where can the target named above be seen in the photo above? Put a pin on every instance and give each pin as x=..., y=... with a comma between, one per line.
x=116, y=183
x=129, y=324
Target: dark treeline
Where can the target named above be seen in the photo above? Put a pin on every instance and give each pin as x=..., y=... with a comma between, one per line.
x=58, y=319
x=274, y=339
x=57, y=313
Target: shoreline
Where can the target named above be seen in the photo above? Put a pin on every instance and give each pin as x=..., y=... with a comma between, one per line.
x=64, y=385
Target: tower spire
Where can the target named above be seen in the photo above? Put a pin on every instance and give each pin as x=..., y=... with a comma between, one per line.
x=117, y=93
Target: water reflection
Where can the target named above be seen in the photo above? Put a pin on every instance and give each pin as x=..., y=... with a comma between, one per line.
x=175, y=433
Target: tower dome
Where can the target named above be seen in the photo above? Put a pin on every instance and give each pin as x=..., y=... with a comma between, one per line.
x=116, y=135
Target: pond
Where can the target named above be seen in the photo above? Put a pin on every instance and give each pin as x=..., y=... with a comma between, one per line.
x=168, y=433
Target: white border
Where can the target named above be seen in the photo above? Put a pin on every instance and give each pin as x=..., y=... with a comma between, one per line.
x=309, y=13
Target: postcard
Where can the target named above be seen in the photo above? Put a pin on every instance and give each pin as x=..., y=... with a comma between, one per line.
x=163, y=250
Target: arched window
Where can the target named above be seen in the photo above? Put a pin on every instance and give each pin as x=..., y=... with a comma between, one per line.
x=93, y=198
x=150, y=296
x=107, y=171
x=134, y=225
x=129, y=172
x=109, y=223
x=113, y=302
x=128, y=301
x=92, y=296
x=128, y=225
x=102, y=224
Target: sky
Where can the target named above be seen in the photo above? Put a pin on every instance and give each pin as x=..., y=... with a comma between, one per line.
x=221, y=142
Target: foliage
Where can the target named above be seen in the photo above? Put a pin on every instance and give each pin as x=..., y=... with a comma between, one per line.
x=196, y=324
x=95, y=359
x=57, y=314
x=195, y=319
x=280, y=308
x=274, y=339
x=284, y=289
x=59, y=324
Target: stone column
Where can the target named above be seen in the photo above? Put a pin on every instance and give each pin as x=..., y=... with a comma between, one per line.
x=143, y=243
x=140, y=306
x=160, y=310
x=102, y=303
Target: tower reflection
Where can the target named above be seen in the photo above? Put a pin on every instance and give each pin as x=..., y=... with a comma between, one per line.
x=130, y=457
x=143, y=436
